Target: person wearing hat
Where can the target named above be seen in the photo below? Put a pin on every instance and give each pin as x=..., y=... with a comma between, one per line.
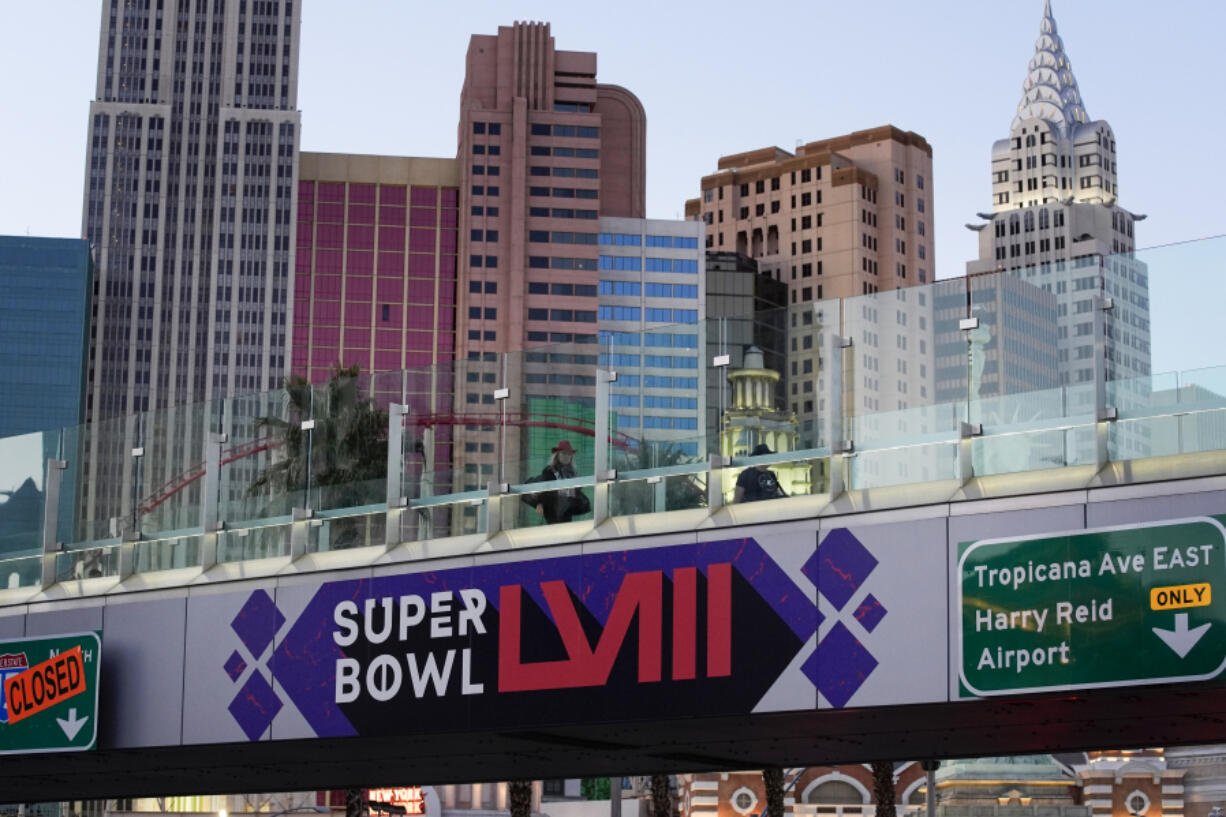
x=565, y=504
x=757, y=482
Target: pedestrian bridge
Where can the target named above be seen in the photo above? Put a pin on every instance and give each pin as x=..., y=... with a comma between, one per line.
x=989, y=575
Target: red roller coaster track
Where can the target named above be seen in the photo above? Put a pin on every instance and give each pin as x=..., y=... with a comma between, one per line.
x=518, y=419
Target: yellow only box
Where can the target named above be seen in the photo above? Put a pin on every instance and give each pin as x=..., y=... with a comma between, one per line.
x=1180, y=595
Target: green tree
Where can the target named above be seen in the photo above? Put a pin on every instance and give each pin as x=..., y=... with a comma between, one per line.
x=343, y=459
x=594, y=788
x=883, y=787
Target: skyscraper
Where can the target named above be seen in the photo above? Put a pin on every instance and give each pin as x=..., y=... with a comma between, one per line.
x=1056, y=220
x=189, y=192
x=841, y=217
x=545, y=152
x=189, y=189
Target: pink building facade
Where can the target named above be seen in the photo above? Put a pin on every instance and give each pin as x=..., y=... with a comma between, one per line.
x=375, y=278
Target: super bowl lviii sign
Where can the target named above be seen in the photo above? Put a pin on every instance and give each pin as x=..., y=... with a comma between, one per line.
x=713, y=628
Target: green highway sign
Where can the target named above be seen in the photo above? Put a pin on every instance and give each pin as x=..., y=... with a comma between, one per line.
x=1121, y=606
x=49, y=693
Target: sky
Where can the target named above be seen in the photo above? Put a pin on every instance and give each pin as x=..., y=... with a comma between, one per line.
x=384, y=76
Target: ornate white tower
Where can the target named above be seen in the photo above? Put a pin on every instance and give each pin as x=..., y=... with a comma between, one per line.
x=1056, y=221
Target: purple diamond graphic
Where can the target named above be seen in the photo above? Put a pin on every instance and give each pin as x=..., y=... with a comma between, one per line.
x=870, y=612
x=255, y=706
x=257, y=623
x=235, y=665
x=839, y=566
x=839, y=665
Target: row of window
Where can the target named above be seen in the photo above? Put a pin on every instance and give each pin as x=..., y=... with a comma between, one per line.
x=563, y=315
x=580, y=131
x=486, y=170
x=653, y=314
x=560, y=357
x=481, y=150
x=569, y=153
x=652, y=401
x=631, y=264
x=564, y=192
x=561, y=212
x=487, y=190
x=542, y=288
x=635, y=240
x=650, y=421
x=567, y=172
x=651, y=361
x=544, y=236
x=652, y=339
x=654, y=290
x=555, y=337
x=545, y=262
x=492, y=128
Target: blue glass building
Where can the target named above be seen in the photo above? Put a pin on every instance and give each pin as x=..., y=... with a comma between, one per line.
x=45, y=291
x=44, y=332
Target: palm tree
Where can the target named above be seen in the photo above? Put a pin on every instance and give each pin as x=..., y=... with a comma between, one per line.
x=772, y=781
x=344, y=455
x=355, y=803
x=680, y=492
x=883, y=787
x=661, y=798
x=519, y=792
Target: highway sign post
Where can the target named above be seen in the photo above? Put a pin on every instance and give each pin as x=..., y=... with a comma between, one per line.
x=49, y=693
x=1141, y=604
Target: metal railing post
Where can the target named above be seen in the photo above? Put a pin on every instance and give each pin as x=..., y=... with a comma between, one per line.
x=841, y=446
x=210, y=522
x=604, y=474
x=51, y=539
x=396, y=501
x=1104, y=415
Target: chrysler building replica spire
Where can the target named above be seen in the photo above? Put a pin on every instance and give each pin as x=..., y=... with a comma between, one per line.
x=1056, y=221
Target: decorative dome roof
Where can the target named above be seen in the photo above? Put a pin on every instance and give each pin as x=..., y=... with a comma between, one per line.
x=1050, y=90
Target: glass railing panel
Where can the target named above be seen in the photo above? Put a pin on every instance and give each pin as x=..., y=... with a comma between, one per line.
x=1013, y=342
x=906, y=348
x=263, y=542
x=167, y=553
x=261, y=475
x=775, y=476
x=547, y=435
x=96, y=560
x=1033, y=431
x=103, y=498
x=654, y=476
x=168, y=481
x=920, y=424
x=343, y=530
x=657, y=412
x=904, y=465
x=23, y=464
x=1168, y=414
x=346, y=451
x=20, y=571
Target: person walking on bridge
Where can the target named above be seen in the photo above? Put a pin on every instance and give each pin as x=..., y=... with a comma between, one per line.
x=564, y=504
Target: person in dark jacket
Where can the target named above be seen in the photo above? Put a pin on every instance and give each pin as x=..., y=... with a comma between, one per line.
x=565, y=504
x=757, y=482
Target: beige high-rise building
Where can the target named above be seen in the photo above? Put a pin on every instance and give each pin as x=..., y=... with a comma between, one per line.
x=842, y=217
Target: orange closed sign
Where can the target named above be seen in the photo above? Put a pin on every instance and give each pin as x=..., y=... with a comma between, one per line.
x=45, y=685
